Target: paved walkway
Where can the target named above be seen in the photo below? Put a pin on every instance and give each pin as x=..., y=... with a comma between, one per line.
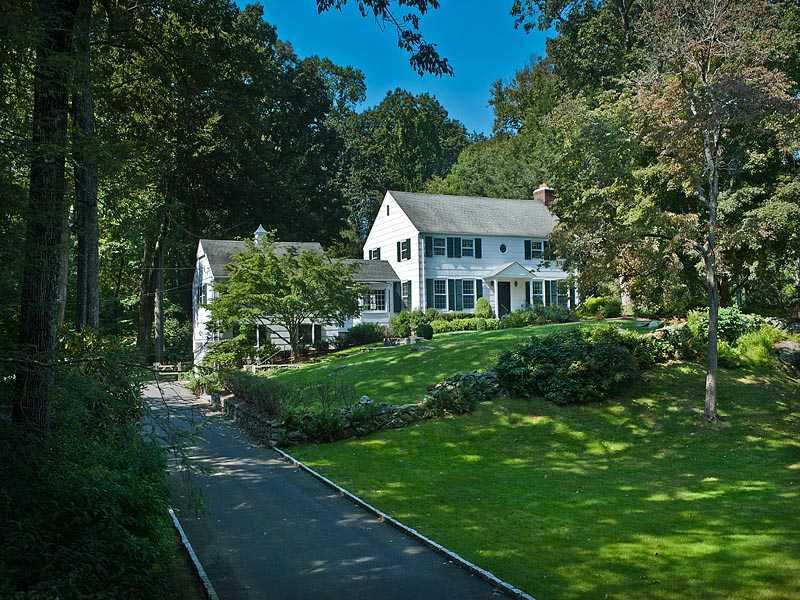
x=269, y=530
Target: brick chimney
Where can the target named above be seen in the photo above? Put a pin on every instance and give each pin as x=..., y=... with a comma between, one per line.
x=544, y=193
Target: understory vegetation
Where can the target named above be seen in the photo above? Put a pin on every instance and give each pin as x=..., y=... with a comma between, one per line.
x=86, y=516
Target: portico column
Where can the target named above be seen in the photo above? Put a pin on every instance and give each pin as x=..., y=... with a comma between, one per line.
x=496, y=303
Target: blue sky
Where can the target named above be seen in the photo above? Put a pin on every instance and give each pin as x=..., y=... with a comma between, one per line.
x=477, y=36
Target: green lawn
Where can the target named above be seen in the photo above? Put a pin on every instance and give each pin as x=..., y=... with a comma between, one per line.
x=400, y=375
x=632, y=499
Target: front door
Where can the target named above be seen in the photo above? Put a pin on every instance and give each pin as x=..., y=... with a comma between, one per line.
x=503, y=298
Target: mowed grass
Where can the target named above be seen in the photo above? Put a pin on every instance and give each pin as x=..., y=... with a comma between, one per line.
x=400, y=375
x=637, y=498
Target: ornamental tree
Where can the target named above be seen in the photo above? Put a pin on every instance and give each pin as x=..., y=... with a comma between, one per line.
x=709, y=86
x=285, y=288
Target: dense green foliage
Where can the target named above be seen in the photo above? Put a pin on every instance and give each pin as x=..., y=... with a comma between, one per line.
x=464, y=324
x=483, y=310
x=408, y=322
x=733, y=323
x=571, y=367
x=600, y=306
x=361, y=334
x=292, y=287
x=537, y=315
x=85, y=515
x=459, y=394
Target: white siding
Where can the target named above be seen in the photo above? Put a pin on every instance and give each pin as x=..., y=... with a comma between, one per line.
x=491, y=260
x=201, y=335
x=386, y=231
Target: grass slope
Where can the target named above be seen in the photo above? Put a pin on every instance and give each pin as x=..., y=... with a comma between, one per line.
x=632, y=499
x=400, y=375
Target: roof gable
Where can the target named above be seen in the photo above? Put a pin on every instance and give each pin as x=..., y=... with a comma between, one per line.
x=220, y=253
x=511, y=270
x=441, y=213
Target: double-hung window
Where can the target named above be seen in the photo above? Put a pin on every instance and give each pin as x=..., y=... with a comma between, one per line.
x=468, y=293
x=537, y=292
x=404, y=249
x=537, y=248
x=375, y=254
x=406, y=294
x=439, y=247
x=562, y=288
x=440, y=294
x=467, y=247
x=375, y=300
x=204, y=294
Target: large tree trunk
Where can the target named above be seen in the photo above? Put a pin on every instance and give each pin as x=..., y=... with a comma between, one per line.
x=46, y=218
x=710, y=261
x=147, y=291
x=158, y=307
x=88, y=260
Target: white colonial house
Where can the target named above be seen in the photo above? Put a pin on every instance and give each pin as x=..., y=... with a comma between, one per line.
x=448, y=251
x=423, y=251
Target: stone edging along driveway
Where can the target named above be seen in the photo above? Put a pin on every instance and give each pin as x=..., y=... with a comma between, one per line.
x=487, y=576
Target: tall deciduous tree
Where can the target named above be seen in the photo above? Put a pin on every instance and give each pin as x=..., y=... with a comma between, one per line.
x=45, y=240
x=87, y=312
x=286, y=288
x=708, y=87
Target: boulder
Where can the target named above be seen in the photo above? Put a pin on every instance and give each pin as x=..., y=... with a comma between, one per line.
x=788, y=353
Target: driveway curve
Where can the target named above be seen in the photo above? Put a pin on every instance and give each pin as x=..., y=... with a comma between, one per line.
x=266, y=529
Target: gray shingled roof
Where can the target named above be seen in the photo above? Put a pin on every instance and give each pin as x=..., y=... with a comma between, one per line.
x=221, y=252
x=440, y=213
x=372, y=270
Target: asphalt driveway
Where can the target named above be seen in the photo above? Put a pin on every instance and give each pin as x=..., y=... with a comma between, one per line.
x=266, y=529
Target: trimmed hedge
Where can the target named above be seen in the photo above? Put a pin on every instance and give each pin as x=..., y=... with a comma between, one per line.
x=537, y=315
x=465, y=324
x=362, y=334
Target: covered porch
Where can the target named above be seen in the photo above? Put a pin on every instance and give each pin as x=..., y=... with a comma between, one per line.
x=513, y=287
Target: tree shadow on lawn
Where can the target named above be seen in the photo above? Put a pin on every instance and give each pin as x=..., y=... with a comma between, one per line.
x=637, y=498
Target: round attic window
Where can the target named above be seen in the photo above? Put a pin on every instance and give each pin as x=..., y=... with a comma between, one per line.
x=503, y=248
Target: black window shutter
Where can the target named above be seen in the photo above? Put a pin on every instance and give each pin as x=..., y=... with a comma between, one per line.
x=459, y=295
x=378, y=252
x=399, y=252
x=479, y=288
x=408, y=249
x=547, y=292
x=478, y=250
x=317, y=333
x=457, y=247
x=429, y=293
x=527, y=292
x=572, y=296
x=428, y=245
x=450, y=251
x=397, y=299
x=451, y=294
x=527, y=249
